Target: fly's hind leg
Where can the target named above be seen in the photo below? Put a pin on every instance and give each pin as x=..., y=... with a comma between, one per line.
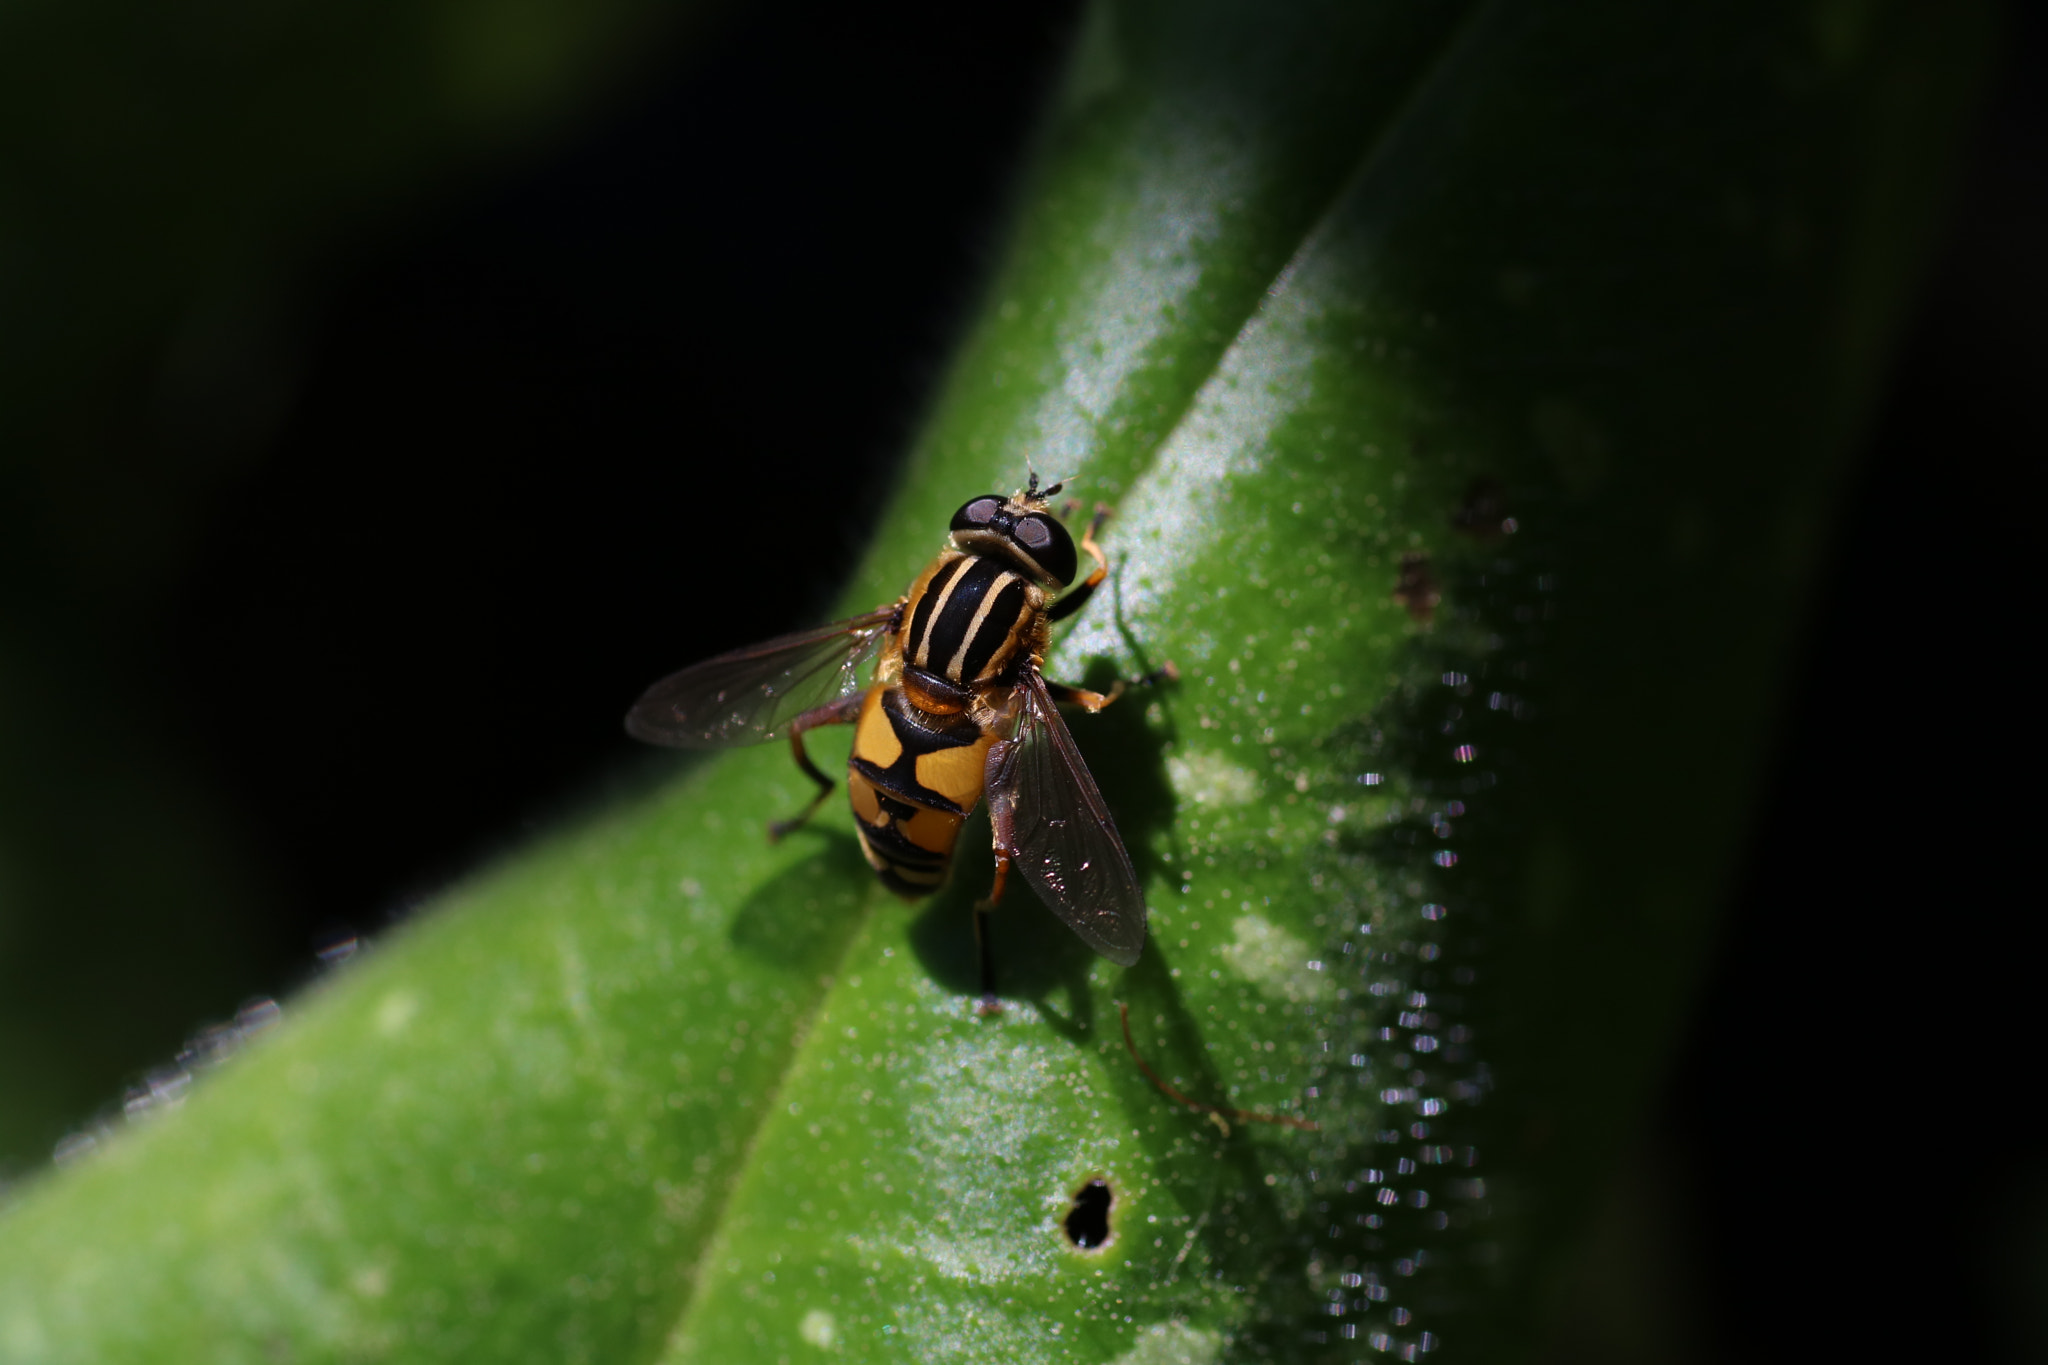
x=842, y=712
x=1002, y=819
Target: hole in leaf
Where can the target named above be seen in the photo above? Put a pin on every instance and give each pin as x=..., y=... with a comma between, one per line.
x=1088, y=1220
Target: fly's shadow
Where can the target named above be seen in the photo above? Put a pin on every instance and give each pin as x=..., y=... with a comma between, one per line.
x=806, y=915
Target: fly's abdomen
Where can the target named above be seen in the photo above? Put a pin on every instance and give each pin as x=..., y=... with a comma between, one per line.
x=967, y=618
x=913, y=778
x=909, y=846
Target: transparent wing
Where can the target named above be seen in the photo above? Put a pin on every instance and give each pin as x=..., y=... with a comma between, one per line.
x=752, y=694
x=1065, y=844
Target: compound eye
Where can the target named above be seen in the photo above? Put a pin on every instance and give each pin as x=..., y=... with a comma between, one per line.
x=1046, y=541
x=977, y=514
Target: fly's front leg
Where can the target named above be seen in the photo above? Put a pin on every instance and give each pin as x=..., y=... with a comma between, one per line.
x=1002, y=819
x=842, y=712
x=1073, y=602
x=1078, y=598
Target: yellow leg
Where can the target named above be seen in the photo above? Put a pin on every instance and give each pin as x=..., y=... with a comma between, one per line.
x=1095, y=701
x=1085, y=589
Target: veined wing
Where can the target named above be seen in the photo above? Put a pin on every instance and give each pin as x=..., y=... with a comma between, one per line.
x=752, y=694
x=1064, y=842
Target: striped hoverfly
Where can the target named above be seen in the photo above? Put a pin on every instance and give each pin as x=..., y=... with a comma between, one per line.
x=958, y=708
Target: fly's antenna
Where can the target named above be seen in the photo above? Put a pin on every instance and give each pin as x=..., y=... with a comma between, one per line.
x=1217, y=1114
x=1033, y=493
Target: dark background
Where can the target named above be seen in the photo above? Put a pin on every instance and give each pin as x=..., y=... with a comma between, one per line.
x=1850, y=1161
x=487, y=490
x=1854, y=1131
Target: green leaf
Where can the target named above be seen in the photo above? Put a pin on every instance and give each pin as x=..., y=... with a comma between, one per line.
x=1433, y=825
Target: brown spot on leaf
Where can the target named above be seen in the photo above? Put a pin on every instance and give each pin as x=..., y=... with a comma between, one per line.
x=1416, y=588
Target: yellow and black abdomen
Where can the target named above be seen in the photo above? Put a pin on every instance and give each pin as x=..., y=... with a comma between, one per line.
x=914, y=776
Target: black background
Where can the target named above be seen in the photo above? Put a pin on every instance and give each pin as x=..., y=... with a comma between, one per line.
x=499, y=500
x=1852, y=1132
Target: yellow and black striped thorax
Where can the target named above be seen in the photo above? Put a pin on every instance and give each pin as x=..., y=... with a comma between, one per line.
x=969, y=618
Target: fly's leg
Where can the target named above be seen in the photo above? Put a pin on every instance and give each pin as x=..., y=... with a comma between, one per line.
x=1095, y=701
x=1078, y=598
x=983, y=954
x=1073, y=602
x=1002, y=819
x=842, y=712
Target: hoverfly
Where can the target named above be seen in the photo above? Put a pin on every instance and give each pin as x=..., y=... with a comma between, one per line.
x=957, y=708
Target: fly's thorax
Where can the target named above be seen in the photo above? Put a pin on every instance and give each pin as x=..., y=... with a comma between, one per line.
x=971, y=618
x=916, y=594
x=933, y=695
x=995, y=709
x=889, y=662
